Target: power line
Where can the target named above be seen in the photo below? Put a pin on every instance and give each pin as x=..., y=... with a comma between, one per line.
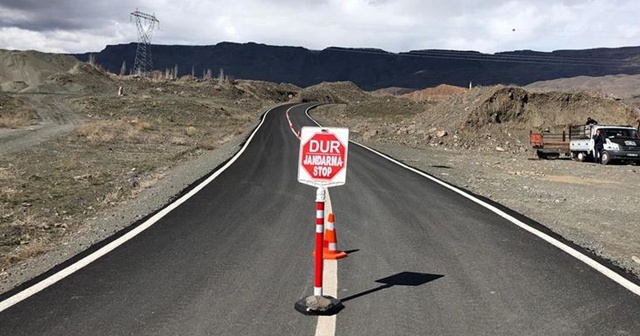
x=469, y=56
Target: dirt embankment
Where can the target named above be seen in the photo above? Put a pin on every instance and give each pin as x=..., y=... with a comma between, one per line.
x=117, y=149
x=89, y=154
x=31, y=67
x=478, y=140
x=483, y=118
x=439, y=93
x=15, y=113
x=617, y=87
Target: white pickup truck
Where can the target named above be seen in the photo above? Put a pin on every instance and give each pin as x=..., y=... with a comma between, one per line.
x=621, y=143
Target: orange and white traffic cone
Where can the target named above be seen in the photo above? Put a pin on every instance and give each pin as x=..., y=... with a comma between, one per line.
x=330, y=248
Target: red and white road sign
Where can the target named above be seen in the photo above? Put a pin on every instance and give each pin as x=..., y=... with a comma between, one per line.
x=323, y=156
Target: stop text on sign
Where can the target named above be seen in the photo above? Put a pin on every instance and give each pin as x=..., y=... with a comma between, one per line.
x=323, y=155
x=331, y=147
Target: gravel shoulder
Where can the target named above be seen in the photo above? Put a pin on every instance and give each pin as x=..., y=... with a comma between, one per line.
x=104, y=225
x=591, y=205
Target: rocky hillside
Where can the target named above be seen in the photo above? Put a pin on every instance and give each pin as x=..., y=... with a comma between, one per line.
x=36, y=72
x=625, y=87
x=372, y=68
x=32, y=67
x=438, y=93
x=483, y=118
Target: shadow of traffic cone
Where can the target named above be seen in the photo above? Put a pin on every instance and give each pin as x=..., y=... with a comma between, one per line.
x=330, y=249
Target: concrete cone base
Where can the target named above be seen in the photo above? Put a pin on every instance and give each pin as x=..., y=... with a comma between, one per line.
x=319, y=305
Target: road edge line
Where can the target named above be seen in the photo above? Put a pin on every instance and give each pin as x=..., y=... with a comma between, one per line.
x=555, y=242
x=604, y=270
x=34, y=289
x=326, y=325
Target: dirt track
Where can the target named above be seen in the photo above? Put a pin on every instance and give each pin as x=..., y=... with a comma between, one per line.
x=54, y=118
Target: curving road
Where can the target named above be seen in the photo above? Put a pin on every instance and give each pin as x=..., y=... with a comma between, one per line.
x=234, y=258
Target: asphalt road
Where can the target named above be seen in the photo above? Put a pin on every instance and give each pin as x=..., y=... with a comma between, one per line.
x=235, y=257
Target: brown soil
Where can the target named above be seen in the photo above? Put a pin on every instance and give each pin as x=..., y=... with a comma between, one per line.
x=32, y=67
x=479, y=141
x=483, y=118
x=618, y=87
x=438, y=93
x=88, y=153
x=15, y=112
x=92, y=162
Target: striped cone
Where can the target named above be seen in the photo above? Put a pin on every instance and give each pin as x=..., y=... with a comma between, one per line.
x=330, y=248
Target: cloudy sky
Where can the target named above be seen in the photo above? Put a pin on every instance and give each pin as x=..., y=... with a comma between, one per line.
x=489, y=26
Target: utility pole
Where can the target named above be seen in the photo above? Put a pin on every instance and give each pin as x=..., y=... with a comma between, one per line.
x=145, y=24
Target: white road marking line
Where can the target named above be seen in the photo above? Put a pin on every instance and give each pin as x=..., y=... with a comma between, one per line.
x=567, y=249
x=129, y=235
x=327, y=324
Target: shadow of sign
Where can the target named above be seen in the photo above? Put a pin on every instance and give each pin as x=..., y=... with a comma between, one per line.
x=411, y=279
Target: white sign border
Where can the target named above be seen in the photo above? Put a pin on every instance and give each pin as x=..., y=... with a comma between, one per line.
x=305, y=134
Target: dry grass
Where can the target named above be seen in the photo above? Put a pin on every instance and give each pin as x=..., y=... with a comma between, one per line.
x=9, y=192
x=15, y=112
x=111, y=131
x=48, y=192
x=7, y=172
x=141, y=125
x=112, y=197
x=24, y=234
x=24, y=252
x=207, y=145
x=191, y=131
x=10, y=122
x=179, y=141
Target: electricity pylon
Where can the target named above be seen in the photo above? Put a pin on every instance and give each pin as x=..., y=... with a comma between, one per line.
x=145, y=24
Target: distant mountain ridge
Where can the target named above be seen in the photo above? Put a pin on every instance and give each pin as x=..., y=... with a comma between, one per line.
x=374, y=68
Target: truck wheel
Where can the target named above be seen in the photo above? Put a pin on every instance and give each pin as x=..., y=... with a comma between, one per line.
x=553, y=156
x=582, y=156
x=606, y=159
x=541, y=154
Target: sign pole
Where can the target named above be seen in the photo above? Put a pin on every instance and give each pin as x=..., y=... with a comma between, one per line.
x=322, y=163
x=320, y=199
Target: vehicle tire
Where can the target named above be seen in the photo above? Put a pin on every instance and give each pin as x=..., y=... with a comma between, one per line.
x=606, y=159
x=553, y=156
x=541, y=154
x=582, y=156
